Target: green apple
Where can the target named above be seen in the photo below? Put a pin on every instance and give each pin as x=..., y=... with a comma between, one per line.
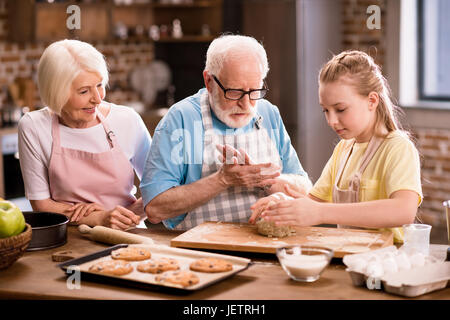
x=12, y=221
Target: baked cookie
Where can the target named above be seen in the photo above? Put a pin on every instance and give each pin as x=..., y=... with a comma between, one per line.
x=131, y=254
x=183, y=278
x=112, y=267
x=211, y=265
x=158, y=265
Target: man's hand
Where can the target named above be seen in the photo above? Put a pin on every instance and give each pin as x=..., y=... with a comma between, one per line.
x=230, y=155
x=238, y=169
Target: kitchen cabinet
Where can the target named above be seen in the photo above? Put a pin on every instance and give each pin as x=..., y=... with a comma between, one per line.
x=107, y=22
x=12, y=173
x=31, y=21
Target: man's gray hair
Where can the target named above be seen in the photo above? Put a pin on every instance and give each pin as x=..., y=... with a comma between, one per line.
x=228, y=45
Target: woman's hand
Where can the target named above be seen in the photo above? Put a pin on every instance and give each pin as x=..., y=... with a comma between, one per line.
x=120, y=218
x=137, y=207
x=302, y=212
x=82, y=209
x=259, y=206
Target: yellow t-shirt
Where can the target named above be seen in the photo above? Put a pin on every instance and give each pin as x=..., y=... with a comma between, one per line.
x=395, y=166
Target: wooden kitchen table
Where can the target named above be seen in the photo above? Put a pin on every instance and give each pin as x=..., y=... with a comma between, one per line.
x=36, y=276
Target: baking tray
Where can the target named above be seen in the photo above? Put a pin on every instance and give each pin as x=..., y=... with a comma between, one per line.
x=146, y=280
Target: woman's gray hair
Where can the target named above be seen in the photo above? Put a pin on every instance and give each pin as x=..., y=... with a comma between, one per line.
x=227, y=45
x=60, y=64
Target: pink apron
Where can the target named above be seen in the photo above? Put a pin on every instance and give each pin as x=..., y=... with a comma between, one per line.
x=352, y=193
x=106, y=178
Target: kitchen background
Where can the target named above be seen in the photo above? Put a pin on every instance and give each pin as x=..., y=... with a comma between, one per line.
x=156, y=49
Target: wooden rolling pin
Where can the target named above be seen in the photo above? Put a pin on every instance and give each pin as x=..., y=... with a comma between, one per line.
x=112, y=236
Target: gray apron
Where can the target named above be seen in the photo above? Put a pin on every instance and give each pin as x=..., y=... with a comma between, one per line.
x=232, y=205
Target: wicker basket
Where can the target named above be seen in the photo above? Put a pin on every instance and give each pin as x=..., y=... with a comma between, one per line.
x=12, y=248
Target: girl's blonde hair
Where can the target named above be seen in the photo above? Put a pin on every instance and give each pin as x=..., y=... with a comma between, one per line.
x=365, y=76
x=60, y=64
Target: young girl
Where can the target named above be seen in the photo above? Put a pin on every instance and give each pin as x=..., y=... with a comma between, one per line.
x=372, y=179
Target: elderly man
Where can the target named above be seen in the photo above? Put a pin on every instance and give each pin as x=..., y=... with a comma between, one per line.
x=217, y=152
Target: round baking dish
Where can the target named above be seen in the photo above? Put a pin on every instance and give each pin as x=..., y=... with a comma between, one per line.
x=49, y=230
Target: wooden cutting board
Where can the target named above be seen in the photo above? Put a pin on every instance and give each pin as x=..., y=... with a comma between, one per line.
x=244, y=237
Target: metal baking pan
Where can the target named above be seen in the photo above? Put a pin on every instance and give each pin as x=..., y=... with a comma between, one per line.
x=49, y=230
x=146, y=280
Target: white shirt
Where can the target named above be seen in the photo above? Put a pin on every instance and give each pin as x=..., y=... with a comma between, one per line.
x=35, y=144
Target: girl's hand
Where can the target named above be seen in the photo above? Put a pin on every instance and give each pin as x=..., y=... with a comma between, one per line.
x=259, y=206
x=82, y=209
x=294, y=191
x=120, y=218
x=282, y=185
x=302, y=212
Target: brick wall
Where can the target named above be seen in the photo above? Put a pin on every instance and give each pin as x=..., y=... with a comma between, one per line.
x=21, y=61
x=356, y=34
x=433, y=144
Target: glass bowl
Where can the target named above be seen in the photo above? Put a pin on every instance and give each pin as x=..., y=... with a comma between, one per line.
x=304, y=263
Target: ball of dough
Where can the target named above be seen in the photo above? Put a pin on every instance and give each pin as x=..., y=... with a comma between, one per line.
x=268, y=228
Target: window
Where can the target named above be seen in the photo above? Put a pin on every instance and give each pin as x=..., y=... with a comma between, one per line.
x=419, y=48
x=434, y=49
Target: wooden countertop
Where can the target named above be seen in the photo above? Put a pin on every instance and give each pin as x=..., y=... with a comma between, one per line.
x=36, y=276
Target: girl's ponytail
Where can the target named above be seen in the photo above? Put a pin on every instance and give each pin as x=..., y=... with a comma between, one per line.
x=365, y=75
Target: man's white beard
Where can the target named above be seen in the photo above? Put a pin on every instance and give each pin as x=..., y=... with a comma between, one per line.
x=224, y=116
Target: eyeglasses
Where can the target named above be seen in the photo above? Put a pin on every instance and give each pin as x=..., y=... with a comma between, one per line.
x=237, y=94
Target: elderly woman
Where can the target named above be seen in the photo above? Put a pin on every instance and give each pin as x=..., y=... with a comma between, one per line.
x=79, y=154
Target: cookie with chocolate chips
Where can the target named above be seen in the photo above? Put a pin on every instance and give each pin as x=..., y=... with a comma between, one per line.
x=211, y=265
x=158, y=265
x=131, y=254
x=112, y=267
x=183, y=278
